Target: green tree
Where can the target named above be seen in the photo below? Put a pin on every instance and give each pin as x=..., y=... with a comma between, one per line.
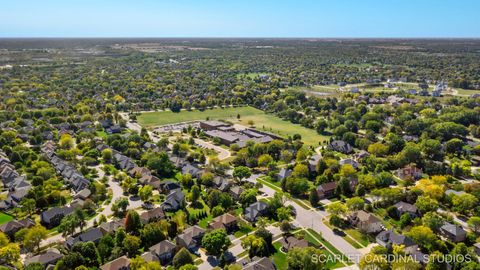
x=182, y=258
x=464, y=203
x=355, y=203
x=216, y=241
x=131, y=244
x=313, y=197
x=151, y=234
x=145, y=193
x=241, y=172
x=132, y=222
x=423, y=236
x=426, y=204
x=34, y=237
x=474, y=223
x=308, y=258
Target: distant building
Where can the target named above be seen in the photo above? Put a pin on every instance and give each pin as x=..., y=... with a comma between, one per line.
x=409, y=172
x=341, y=146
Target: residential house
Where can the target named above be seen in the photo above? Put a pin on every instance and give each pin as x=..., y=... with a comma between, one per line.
x=407, y=208
x=226, y=221
x=349, y=161
x=165, y=250
x=150, y=180
x=389, y=238
x=365, y=222
x=284, y=173
x=222, y=184
x=121, y=263
x=235, y=192
x=191, y=169
x=409, y=172
x=326, y=190
x=476, y=248
x=13, y=226
x=293, y=242
x=111, y=226
x=191, y=237
x=255, y=210
x=168, y=185
x=257, y=263
x=53, y=216
x=50, y=257
x=313, y=161
x=174, y=201
x=453, y=232
x=152, y=215
x=341, y=146
x=91, y=235
x=83, y=194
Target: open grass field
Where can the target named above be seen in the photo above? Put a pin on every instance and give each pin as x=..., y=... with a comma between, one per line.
x=5, y=218
x=261, y=120
x=152, y=119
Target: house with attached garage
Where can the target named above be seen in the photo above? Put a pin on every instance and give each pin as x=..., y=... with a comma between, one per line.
x=365, y=222
x=191, y=237
x=452, y=232
x=52, y=217
x=255, y=211
x=164, y=251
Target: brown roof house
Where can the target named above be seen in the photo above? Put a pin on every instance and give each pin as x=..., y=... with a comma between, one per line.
x=407, y=208
x=326, y=190
x=365, y=222
x=165, y=250
x=293, y=242
x=226, y=221
x=257, y=263
x=191, y=237
x=121, y=263
x=50, y=257
x=409, y=172
x=152, y=215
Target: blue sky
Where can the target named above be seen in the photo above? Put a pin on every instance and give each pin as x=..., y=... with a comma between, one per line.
x=240, y=18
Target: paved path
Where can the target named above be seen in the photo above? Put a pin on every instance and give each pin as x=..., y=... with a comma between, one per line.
x=222, y=152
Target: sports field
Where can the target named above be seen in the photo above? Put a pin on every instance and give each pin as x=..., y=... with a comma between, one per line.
x=261, y=121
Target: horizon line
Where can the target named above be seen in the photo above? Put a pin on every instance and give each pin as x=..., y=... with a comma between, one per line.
x=220, y=37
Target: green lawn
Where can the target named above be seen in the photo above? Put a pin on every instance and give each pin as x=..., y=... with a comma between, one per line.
x=331, y=264
x=5, y=218
x=261, y=120
x=279, y=258
x=152, y=119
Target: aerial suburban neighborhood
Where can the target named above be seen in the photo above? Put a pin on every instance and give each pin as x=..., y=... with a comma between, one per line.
x=237, y=153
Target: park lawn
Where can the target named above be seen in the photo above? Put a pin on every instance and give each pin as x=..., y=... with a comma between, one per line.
x=276, y=125
x=151, y=119
x=261, y=121
x=4, y=218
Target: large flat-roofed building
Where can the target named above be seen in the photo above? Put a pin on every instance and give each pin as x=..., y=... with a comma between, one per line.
x=213, y=124
x=228, y=135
